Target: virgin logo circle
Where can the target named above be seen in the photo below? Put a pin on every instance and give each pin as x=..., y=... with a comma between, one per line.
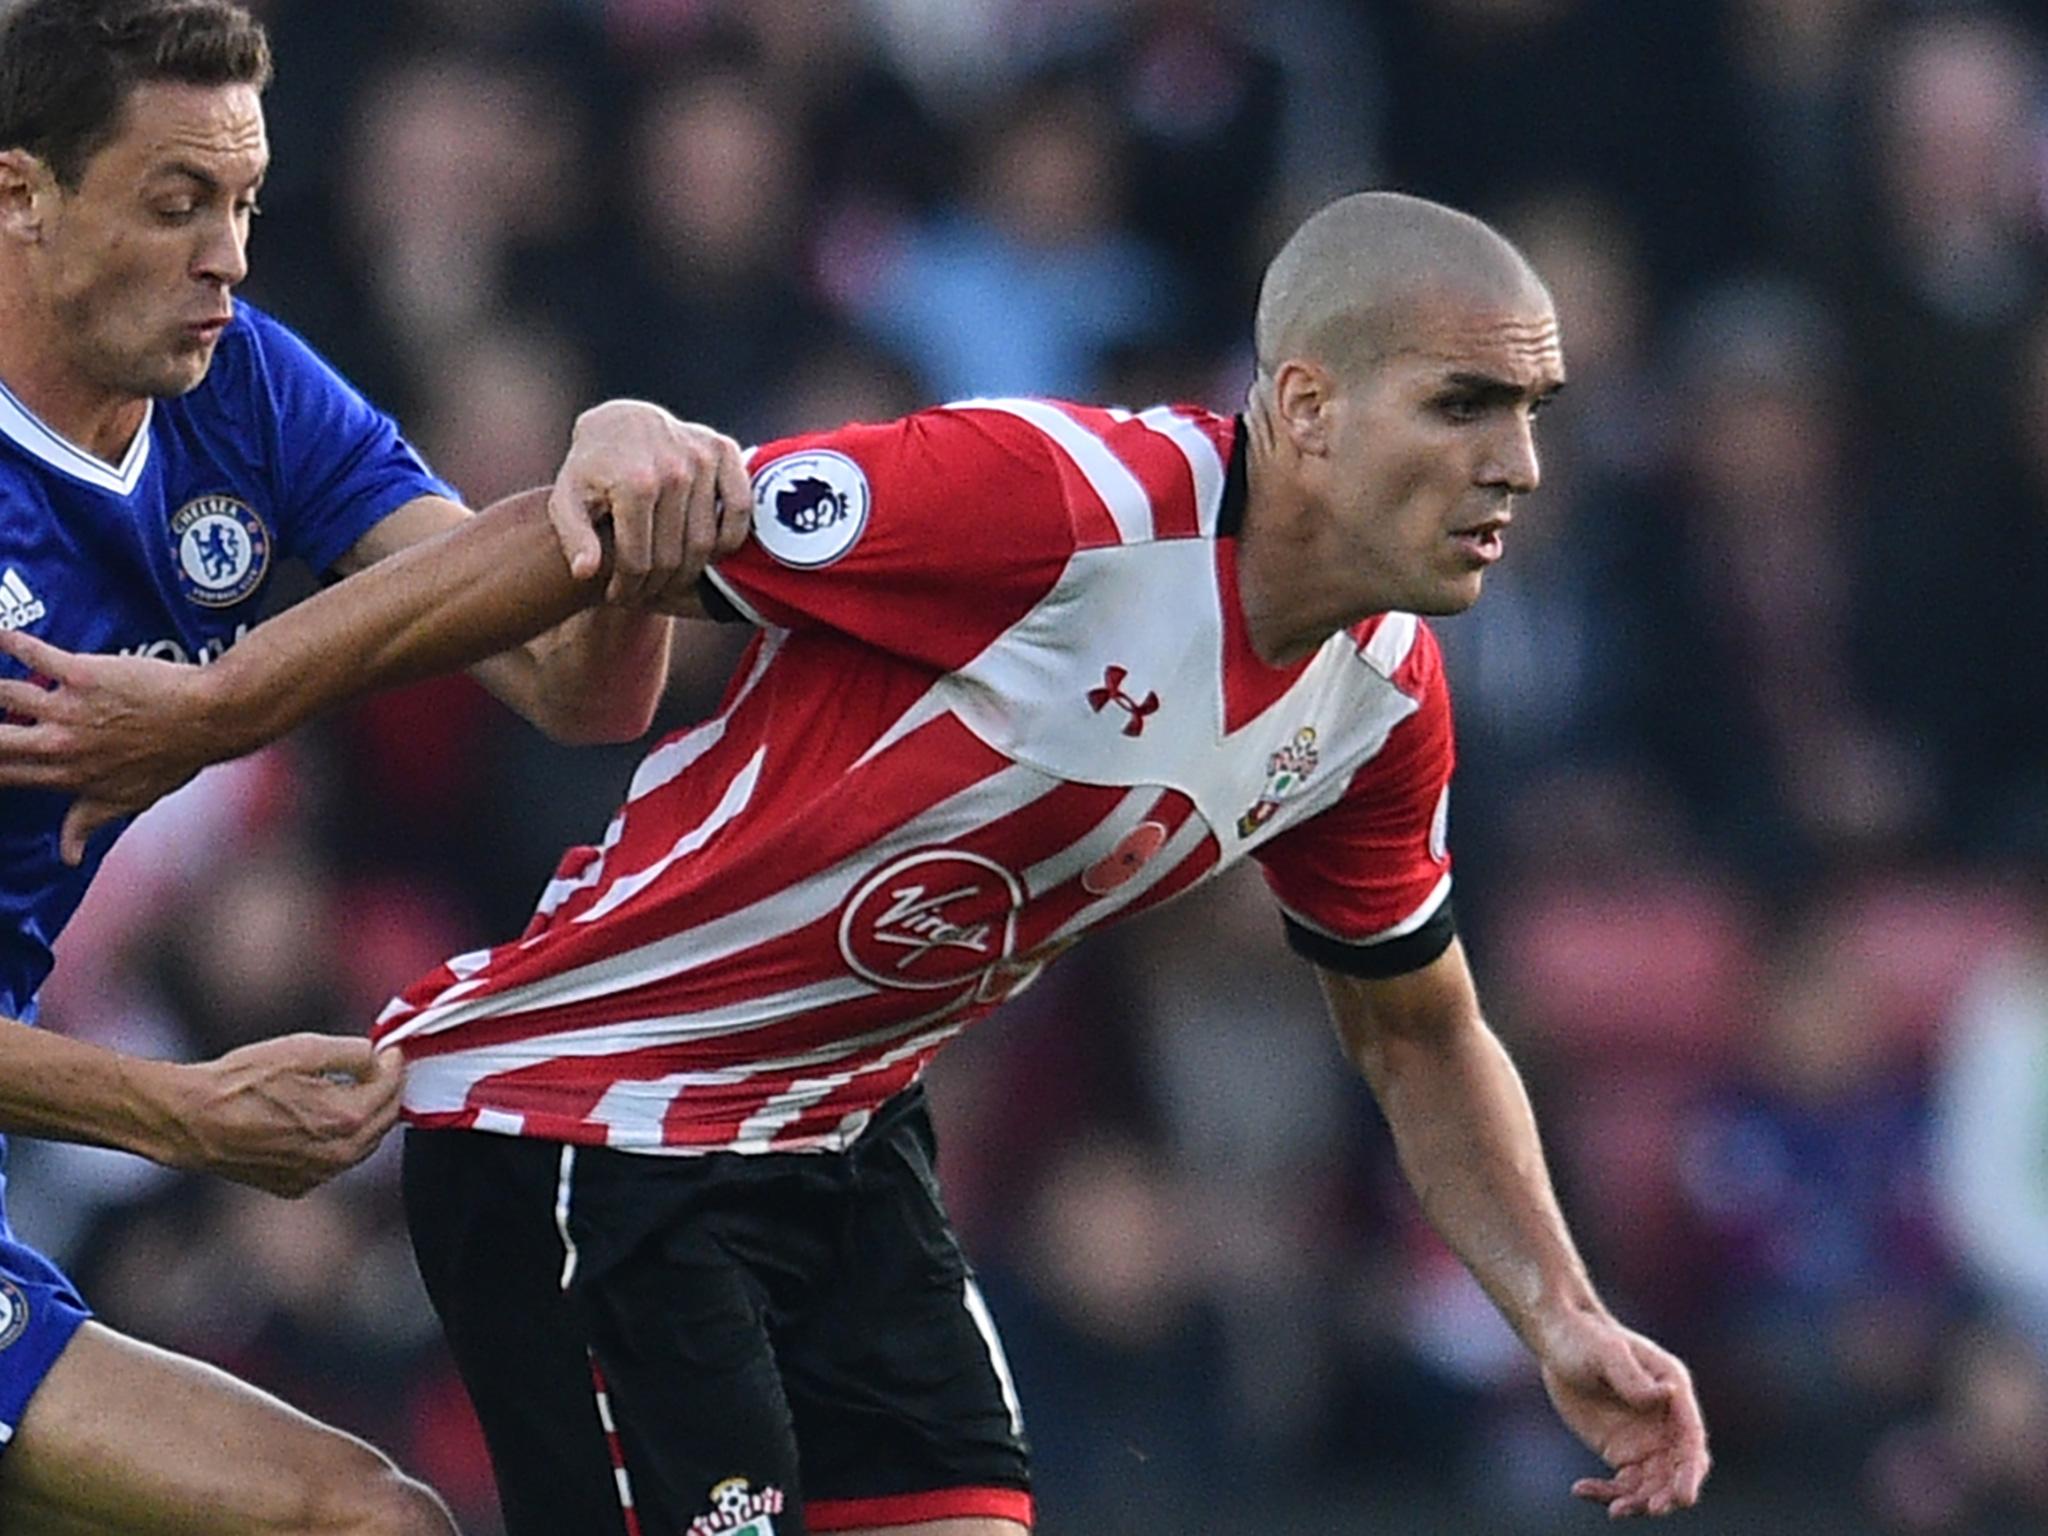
x=932, y=920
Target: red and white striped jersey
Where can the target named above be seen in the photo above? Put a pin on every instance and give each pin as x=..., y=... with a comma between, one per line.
x=1001, y=694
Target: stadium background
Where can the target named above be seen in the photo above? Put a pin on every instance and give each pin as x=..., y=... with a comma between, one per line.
x=1752, y=816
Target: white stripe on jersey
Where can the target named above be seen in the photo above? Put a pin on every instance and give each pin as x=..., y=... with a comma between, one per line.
x=730, y=804
x=788, y=1104
x=1204, y=462
x=440, y=1084
x=1391, y=643
x=1007, y=790
x=1128, y=502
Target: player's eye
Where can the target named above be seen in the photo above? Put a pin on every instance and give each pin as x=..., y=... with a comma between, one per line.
x=249, y=208
x=1460, y=408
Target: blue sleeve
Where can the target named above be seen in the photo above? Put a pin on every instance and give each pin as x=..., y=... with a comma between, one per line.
x=341, y=466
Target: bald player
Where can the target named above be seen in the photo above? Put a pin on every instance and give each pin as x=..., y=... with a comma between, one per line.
x=1023, y=668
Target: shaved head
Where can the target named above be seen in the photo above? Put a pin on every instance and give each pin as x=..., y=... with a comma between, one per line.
x=1345, y=287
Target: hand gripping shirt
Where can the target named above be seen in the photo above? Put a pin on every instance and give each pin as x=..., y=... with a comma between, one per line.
x=1000, y=694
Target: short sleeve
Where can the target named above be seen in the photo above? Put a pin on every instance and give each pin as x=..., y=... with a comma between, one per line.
x=1364, y=887
x=926, y=537
x=341, y=465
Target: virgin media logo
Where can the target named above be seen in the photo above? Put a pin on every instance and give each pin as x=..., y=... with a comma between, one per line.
x=932, y=920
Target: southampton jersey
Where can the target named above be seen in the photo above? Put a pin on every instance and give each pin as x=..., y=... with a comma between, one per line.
x=169, y=553
x=1001, y=695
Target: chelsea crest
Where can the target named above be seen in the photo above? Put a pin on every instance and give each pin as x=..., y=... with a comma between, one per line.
x=222, y=550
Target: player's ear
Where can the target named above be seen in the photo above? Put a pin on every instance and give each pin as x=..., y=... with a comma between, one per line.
x=1303, y=395
x=26, y=188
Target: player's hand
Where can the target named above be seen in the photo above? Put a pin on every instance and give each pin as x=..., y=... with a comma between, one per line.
x=286, y=1115
x=676, y=494
x=1633, y=1404
x=119, y=732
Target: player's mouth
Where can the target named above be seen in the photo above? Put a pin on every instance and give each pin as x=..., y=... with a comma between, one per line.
x=207, y=332
x=1482, y=542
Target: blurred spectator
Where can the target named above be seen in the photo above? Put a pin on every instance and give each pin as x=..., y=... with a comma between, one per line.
x=1808, y=1174
x=1756, y=712
x=711, y=309
x=1992, y=1128
x=1027, y=291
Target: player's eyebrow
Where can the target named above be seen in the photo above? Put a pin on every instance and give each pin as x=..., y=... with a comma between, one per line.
x=1490, y=389
x=208, y=182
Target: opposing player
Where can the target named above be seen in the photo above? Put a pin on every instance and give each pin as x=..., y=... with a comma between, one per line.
x=1023, y=668
x=162, y=449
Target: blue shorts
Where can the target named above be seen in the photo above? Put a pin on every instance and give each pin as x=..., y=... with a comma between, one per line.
x=39, y=1312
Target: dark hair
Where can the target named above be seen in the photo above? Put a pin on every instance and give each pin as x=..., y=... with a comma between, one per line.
x=67, y=66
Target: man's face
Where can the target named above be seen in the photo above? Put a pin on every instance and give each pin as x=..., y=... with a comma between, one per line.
x=141, y=256
x=1428, y=451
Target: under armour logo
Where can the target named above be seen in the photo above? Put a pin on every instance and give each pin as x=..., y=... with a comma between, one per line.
x=1112, y=692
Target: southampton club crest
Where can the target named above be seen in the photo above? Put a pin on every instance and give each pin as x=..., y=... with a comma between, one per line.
x=1286, y=772
x=737, y=1510
x=810, y=508
x=222, y=550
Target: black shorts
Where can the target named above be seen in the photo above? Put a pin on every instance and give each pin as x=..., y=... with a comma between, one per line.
x=653, y=1340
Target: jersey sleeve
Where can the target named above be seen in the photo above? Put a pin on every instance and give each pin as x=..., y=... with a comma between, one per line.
x=1365, y=886
x=341, y=464
x=926, y=537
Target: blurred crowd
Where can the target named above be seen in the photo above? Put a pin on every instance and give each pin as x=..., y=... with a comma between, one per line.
x=1751, y=817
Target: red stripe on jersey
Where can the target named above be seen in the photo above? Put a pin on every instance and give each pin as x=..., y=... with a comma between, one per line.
x=1160, y=467
x=1250, y=685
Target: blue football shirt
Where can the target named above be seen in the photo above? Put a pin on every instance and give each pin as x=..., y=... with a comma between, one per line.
x=169, y=554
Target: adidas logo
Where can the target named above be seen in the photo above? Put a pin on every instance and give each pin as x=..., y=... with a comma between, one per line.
x=18, y=605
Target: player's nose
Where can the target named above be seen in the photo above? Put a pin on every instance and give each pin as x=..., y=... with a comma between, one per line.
x=224, y=257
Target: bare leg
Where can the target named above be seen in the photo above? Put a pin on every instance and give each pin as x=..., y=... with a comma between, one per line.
x=124, y=1439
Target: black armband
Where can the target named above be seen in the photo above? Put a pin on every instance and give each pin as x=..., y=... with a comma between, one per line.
x=1384, y=957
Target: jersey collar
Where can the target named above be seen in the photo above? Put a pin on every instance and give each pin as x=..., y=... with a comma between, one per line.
x=27, y=431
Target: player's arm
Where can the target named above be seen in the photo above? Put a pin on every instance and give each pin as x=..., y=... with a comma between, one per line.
x=1468, y=1144
x=283, y=1115
x=670, y=496
x=123, y=731
x=595, y=677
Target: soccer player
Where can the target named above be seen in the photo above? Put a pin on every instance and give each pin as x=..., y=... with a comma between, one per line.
x=162, y=449
x=1022, y=668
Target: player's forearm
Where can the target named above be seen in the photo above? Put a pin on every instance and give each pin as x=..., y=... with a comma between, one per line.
x=1468, y=1143
x=596, y=677
x=67, y=1090
x=490, y=583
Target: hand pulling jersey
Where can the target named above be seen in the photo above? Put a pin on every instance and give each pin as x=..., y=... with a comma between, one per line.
x=1001, y=694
